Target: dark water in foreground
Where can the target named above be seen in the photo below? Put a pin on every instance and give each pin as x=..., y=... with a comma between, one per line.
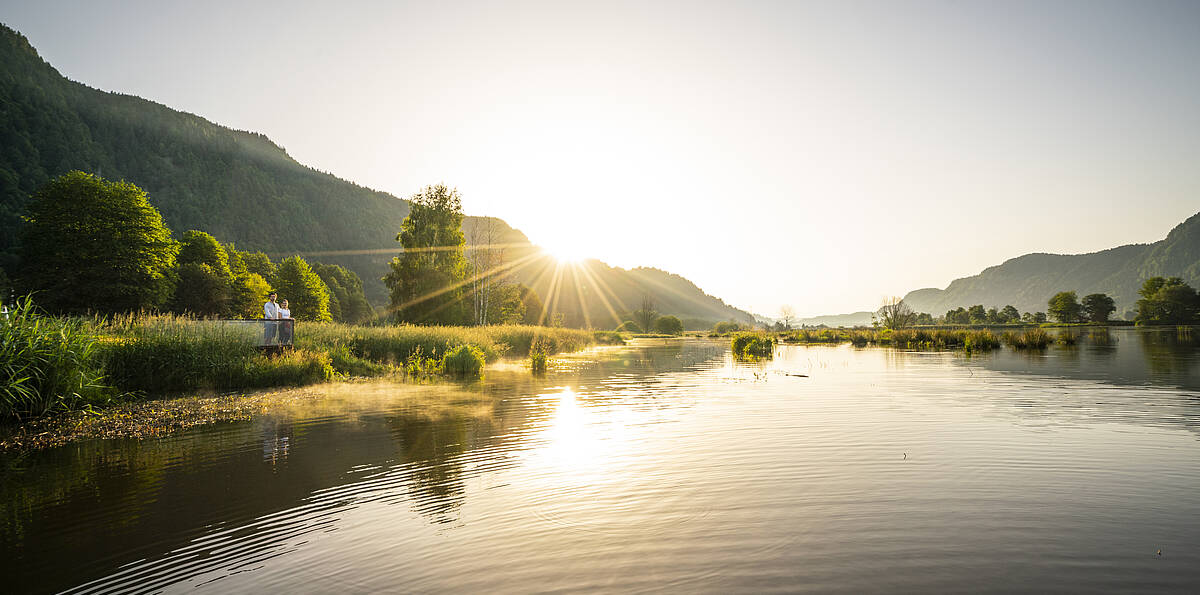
x=660, y=466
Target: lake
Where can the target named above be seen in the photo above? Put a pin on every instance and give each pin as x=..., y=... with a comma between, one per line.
x=660, y=466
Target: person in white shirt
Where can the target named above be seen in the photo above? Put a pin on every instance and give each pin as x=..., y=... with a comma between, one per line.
x=285, y=328
x=270, y=312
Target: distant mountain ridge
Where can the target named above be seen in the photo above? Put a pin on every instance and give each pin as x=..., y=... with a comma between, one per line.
x=238, y=186
x=1028, y=282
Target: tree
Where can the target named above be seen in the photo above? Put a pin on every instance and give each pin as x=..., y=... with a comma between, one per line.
x=924, y=318
x=976, y=314
x=94, y=245
x=426, y=280
x=646, y=314
x=1039, y=317
x=303, y=289
x=249, y=293
x=1064, y=307
x=204, y=283
x=1097, y=307
x=787, y=314
x=895, y=314
x=347, y=303
x=958, y=315
x=1167, y=301
x=259, y=263
x=668, y=325
x=1009, y=315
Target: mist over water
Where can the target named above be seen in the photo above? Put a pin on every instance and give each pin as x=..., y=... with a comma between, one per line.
x=658, y=465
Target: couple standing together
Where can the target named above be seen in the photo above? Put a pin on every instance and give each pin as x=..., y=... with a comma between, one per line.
x=273, y=311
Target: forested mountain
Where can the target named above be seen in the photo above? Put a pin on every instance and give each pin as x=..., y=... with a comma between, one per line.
x=1028, y=281
x=604, y=296
x=236, y=185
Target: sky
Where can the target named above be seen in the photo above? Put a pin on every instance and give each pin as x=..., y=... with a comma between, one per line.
x=823, y=155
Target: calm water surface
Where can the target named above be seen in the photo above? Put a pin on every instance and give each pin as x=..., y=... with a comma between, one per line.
x=658, y=466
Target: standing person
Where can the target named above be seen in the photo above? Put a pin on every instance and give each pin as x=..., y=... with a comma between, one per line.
x=270, y=313
x=285, y=327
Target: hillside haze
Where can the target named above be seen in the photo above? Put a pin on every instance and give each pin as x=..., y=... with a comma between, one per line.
x=238, y=185
x=1028, y=282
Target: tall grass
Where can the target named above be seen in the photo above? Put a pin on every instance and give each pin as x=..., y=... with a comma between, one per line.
x=1034, y=338
x=168, y=353
x=46, y=364
x=971, y=340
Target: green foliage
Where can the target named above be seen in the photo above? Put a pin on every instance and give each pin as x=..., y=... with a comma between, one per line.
x=463, y=361
x=668, y=325
x=905, y=338
x=247, y=295
x=347, y=302
x=198, y=247
x=1009, y=315
x=629, y=326
x=752, y=345
x=976, y=314
x=200, y=290
x=537, y=362
x=48, y=364
x=425, y=280
x=94, y=245
x=259, y=264
x=303, y=289
x=1097, y=307
x=1167, y=301
x=1064, y=307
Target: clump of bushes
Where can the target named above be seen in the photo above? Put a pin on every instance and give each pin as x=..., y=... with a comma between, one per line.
x=464, y=361
x=753, y=345
x=668, y=325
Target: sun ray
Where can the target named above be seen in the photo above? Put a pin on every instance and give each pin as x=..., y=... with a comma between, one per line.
x=600, y=289
x=551, y=294
x=587, y=319
x=493, y=271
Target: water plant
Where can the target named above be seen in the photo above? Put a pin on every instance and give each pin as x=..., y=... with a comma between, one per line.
x=464, y=361
x=1034, y=338
x=752, y=345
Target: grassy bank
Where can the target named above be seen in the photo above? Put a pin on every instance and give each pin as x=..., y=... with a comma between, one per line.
x=58, y=364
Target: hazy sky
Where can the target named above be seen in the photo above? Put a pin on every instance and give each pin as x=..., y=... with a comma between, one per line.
x=817, y=154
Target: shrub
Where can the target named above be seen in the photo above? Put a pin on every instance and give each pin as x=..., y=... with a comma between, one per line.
x=668, y=325
x=464, y=361
x=752, y=345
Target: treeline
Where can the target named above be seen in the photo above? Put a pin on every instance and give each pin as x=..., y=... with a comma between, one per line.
x=90, y=245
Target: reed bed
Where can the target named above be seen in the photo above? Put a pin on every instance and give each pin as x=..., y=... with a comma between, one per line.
x=970, y=340
x=46, y=364
x=1035, y=338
